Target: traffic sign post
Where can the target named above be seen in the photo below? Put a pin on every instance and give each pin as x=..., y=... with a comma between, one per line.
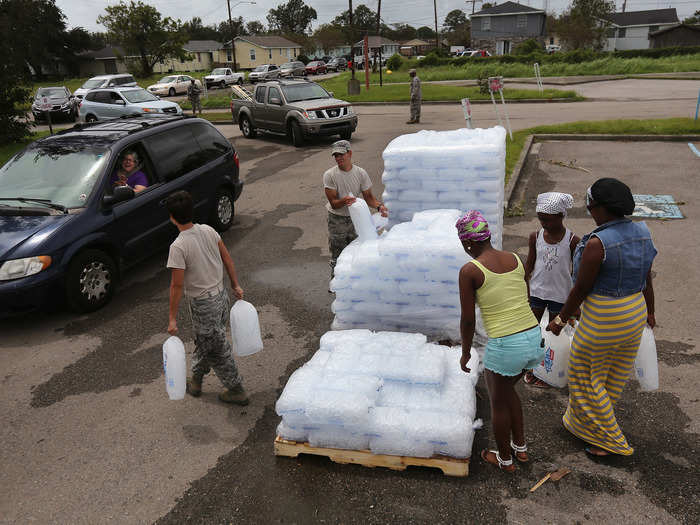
x=467, y=109
x=496, y=84
x=45, y=106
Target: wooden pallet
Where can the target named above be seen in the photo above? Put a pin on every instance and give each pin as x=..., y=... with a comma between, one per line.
x=449, y=466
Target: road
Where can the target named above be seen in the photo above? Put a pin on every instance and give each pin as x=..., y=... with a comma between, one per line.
x=89, y=435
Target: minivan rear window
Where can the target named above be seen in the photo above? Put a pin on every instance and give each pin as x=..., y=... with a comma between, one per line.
x=175, y=152
x=213, y=144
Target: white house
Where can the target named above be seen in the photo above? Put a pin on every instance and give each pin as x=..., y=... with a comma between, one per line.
x=630, y=30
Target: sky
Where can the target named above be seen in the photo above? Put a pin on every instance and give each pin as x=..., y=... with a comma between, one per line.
x=417, y=13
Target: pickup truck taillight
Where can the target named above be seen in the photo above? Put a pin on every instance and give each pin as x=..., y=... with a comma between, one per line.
x=236, y=160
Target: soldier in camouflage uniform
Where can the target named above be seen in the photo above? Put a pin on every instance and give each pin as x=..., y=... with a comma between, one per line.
x=416, y=97
x=197, y=259
x=193, y=93
x=342, y=183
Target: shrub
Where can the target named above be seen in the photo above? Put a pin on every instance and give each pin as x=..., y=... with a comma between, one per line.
x=395, y=62
x=304, y=59
x=527, y=47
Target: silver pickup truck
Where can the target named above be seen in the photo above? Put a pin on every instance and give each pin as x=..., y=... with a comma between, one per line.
x=297, y=108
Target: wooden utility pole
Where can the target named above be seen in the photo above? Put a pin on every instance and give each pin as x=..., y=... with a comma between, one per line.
x=352, y=41
x=437, y=37
x=473, y=2
x=233, y=35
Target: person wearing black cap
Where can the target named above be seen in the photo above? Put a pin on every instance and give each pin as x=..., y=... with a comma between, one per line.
x=612, y=271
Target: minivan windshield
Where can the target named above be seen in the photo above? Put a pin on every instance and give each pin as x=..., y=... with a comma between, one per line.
x=167, y=80
x=297, y=92
x=138, y=95
x=94, y=83
x=64, y=173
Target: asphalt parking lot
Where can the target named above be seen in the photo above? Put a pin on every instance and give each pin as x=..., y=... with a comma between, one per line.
x=89, y=435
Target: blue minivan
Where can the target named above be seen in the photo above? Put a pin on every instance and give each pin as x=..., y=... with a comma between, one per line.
x=72, y=220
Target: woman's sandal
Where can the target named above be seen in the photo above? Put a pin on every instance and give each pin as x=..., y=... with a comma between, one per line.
x=520, y=452
x=491, y=456
x=530, y=379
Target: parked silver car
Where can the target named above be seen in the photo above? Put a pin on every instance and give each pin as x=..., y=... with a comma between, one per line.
x=265, y=72
x=63, y=104
x=103, y=104
x=103, y=81
x=293, y=69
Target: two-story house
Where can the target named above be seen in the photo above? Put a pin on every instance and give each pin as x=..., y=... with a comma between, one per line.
x=500, y=28
x=252, y=51
x=631, y=30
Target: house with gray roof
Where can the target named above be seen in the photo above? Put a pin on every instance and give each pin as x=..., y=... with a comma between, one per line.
x=500, y=28
x=632, y=29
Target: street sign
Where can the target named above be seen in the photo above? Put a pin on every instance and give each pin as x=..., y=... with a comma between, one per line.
x=45, y=104
x=495, y=83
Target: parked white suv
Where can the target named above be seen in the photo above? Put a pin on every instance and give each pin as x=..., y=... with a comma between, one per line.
x=103, y=81
x=222, y=77
x=104, y=104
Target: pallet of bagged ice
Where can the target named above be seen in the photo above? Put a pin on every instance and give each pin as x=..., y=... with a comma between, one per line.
x=460, y=169
x=388, y=392
x=406, y=280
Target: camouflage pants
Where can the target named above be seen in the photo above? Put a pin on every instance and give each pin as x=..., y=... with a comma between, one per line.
x=196, y=105
x=341, y=232
x=210, y=316
x=415, y=109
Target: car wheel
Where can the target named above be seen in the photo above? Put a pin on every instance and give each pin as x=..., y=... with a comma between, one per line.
x=296, y=134
x=222, y=84
x=247, y=128
x=345, y=135
x=222, y=214
x=171, y=92
x=240, y=81
x=90, y=281
x=90, y=118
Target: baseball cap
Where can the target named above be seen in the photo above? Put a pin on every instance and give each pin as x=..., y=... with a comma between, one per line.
x=340, y=146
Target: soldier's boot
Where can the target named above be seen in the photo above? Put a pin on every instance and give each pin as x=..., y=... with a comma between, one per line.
x=194, y=386
x=236, y=395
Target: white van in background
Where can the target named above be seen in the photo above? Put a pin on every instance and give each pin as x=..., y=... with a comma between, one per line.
x=103, y=81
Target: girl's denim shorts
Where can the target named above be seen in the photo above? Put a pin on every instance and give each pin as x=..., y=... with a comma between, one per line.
x=511, y=354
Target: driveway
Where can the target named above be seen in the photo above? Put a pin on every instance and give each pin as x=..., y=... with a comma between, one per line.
x=89, y=435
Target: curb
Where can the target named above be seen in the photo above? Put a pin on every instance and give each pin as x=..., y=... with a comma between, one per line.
x=544, y=137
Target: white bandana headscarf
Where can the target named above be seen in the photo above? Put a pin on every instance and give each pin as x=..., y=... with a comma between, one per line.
x=554, y=202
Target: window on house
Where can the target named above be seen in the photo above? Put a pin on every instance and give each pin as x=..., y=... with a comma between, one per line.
x=522, y=21
x=551, y=41
x=199, y=57
x=486, y=23
x=229, y=57
x=182, y=60
x=269, y=54
x=252, y=54
x=622, y=32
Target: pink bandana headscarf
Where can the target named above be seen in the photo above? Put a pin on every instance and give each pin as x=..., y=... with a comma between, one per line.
x=472, y=226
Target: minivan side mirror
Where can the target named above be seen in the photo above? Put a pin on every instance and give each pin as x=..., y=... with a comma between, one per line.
x=120, y=194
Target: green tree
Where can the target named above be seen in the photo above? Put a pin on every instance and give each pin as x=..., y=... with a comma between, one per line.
x=364, y=22
x=140, y=30
x=329, y=36
x=425, y=33
x=695, y=19
x=196, y=30
x=400, y=32
x=585, y=24
x=293, y=17
x=255, y=27
x=237, y=27
x=455, y=20
x=487, y=5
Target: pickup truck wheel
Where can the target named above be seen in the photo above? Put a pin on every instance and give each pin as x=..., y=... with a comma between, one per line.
x=90, y=280
x=222, y=214
x=222, y=84
x=171, y=92
x=247, y=128
x=90, y=118
x=296, y=134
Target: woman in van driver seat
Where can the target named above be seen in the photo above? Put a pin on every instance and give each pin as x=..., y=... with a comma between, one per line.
x=128, y=173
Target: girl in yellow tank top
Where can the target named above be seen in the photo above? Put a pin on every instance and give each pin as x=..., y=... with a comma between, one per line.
x=495, y=280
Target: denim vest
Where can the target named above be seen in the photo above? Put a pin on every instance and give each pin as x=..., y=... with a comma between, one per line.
x=628, y=252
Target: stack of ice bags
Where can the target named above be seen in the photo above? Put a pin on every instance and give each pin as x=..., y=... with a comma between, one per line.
x=404, y=281
x=389, y=392
x=462, y=169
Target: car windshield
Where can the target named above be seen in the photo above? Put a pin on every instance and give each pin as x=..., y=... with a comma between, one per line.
x=94, y=83
x=138, y=95
x=260, y=68
x=167, y=80
x=219, y=71
x=58, y=170
x=297, y=92
x=50, y=92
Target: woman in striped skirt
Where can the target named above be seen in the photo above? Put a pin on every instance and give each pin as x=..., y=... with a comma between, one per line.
x=613, y=288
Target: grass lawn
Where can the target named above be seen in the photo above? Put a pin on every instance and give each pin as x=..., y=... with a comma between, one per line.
x=669, y=126
x=603, y=66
